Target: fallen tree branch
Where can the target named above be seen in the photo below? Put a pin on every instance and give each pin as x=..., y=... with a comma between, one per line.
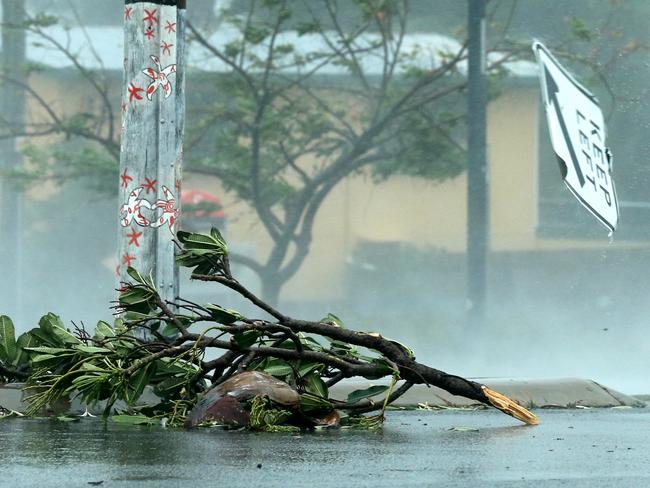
x=298, y=356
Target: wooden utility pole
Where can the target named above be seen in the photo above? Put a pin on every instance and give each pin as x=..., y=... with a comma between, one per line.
x=12, y=108
x=477, y=173
x=153, y=116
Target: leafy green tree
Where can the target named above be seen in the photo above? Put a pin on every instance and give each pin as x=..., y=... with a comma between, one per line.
x=286, y=137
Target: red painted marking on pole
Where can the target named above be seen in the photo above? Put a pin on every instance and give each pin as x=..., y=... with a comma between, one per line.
x=117, y=270
x=134, y=92
x=125, y=178
x=128, y=259
x=159, y=78
x=149, y=33
x=149, y=185
x=170, y=27
x=127, y=13
x=166, y=48
x=177, y=185
x=130, y=211
x=134, y=236
x=150, y=17
x=168, y=206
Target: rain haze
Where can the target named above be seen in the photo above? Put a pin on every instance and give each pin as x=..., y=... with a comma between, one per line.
x=386, y=247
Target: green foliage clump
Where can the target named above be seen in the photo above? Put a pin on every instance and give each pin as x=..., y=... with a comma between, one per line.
x=268, y=419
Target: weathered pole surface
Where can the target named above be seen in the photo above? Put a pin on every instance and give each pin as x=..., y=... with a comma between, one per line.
x=477, y=177
x=12, y=110
x=153, y=115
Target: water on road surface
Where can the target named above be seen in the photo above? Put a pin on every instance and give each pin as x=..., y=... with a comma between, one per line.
x=590, y=448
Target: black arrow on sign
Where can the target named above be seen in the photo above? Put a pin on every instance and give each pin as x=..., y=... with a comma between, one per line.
x=551, y=97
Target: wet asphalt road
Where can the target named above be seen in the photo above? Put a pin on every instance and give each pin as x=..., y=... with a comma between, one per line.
x=577, y=448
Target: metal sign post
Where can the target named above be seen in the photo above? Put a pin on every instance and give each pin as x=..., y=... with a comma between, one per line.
x=577, y=130
x=153, y=115
x=477, y=171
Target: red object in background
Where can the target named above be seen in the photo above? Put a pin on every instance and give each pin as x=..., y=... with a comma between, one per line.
x=200, y=204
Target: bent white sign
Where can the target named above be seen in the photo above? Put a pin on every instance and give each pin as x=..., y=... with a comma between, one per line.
x=577, y=130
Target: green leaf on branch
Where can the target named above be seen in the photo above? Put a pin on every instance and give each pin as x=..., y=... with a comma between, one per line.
x=103, y=331
x=308, y=367
x=203, y=242
x=310, y=402
x=168, y=387
x=310, y=343
x=133, y=316
x=48, y=350
x=92, y=349
x=45, y=357
x=67, y=418
x=203, y=252
x=333, y=320
x=137, y=384
x=133, y=420
x=93, y=367
x=54, y=332
x=139, y=299
x=25, y=341
x=8, y=348
x=358, y=395
x=341, y=348
x=314, y=384
x=169, y=330
x=275, y=367
x=222, y=315
x=247, y=338
x=383, y=369
x=138, y=278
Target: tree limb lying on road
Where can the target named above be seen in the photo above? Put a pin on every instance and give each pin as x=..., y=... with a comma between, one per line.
x=117, y=363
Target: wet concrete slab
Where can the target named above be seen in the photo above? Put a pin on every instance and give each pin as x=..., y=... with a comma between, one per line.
x=577, y=448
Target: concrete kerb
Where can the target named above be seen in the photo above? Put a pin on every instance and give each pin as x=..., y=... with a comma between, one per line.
x=550, y=393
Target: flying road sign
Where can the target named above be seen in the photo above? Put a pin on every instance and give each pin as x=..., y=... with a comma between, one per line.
x=577, y=130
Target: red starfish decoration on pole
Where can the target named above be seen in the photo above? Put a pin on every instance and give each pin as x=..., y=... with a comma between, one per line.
x=170, y=27
x=125, y=178
x=127, y=13
x=149, y=185
x=128, y=259
x=149, y=33
x=166, y=48
x=134, y=236
x=159, y=78
x=134, y=92
x=150, y=17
